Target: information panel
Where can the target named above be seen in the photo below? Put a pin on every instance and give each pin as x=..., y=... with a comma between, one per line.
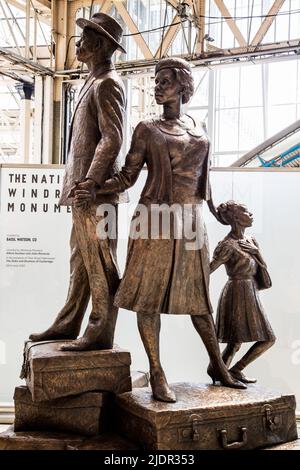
x=34, y=234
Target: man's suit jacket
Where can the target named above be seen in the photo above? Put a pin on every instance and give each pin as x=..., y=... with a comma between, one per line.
x=96, y=133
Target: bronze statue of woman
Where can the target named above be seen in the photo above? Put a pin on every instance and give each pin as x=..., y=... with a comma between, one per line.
x=162, y=275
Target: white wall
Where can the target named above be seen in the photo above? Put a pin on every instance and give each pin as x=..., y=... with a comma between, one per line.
x=30, y=297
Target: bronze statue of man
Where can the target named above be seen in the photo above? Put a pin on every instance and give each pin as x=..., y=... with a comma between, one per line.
x=95, y=140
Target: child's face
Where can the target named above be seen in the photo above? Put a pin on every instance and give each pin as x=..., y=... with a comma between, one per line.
x=244, y=216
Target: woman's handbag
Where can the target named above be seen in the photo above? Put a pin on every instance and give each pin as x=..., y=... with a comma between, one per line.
x=262, y=276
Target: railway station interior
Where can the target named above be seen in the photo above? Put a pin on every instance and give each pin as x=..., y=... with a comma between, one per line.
x=244, y=58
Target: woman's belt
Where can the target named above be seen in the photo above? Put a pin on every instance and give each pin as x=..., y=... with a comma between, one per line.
x=241, y=278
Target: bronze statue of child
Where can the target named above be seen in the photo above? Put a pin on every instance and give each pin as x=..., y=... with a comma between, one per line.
x=240, y=315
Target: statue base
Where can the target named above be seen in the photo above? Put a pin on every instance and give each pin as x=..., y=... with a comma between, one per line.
x=207, y=417
x=292, y=445
x=65, y=423
x=37, y=440
x=86, y=414
x=42, y=440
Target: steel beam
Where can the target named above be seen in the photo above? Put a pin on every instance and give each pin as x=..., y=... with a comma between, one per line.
x=43, y=5
x=134, y=30
x=266, y=24
x=199, y=6
x=168, y=37
x=10, y=28
x=27, y=30
x=231, y=23
x=43, y=18
x=28, y=65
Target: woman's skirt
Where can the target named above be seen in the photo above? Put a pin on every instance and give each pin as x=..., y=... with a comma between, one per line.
x=167, y=275
x=240, y=315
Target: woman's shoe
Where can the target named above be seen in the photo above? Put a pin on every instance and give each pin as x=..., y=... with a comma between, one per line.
x=239, y=375
x=225, y=379
x=160, y=388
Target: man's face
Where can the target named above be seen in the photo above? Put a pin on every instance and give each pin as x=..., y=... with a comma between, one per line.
x=86, y=46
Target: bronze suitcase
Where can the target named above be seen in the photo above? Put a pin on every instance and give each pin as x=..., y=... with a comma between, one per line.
x=207, y=417
x=85, y=414
x=51, y=373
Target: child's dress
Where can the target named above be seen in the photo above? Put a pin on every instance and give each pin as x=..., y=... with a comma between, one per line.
x=240, y=315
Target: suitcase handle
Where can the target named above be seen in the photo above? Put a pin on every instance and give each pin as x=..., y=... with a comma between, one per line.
x=234, y=445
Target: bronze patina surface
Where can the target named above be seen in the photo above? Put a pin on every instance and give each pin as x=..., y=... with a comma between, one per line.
x=207, y=417
x=85, y=414
x=293, y=445
x=95, y=140
x=42, y=440
x=240, y=315
x=37, y=440
x=161, y=275
x=107, y=441
x=52, y=373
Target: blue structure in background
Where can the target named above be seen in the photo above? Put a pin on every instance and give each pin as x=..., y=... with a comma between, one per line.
x=284, y=159
x=289, y=138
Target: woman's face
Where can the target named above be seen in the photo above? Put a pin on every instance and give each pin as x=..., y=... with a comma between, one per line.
x=244, y=217
x=167, y=89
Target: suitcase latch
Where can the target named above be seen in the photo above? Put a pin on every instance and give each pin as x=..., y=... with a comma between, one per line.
x=195, y=434
x=191, y=433
x=272, y=422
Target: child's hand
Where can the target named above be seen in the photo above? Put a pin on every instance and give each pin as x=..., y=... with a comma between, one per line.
x=249, y=247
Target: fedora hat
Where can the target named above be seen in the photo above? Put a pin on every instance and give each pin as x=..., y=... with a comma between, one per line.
x=105, y=25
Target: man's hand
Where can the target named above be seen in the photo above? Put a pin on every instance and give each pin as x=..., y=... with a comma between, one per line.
x=87, y=192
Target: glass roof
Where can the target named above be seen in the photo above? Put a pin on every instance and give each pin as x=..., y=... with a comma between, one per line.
x=13, y=26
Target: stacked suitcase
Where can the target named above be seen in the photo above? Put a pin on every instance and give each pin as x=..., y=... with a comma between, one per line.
x=68, y=398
